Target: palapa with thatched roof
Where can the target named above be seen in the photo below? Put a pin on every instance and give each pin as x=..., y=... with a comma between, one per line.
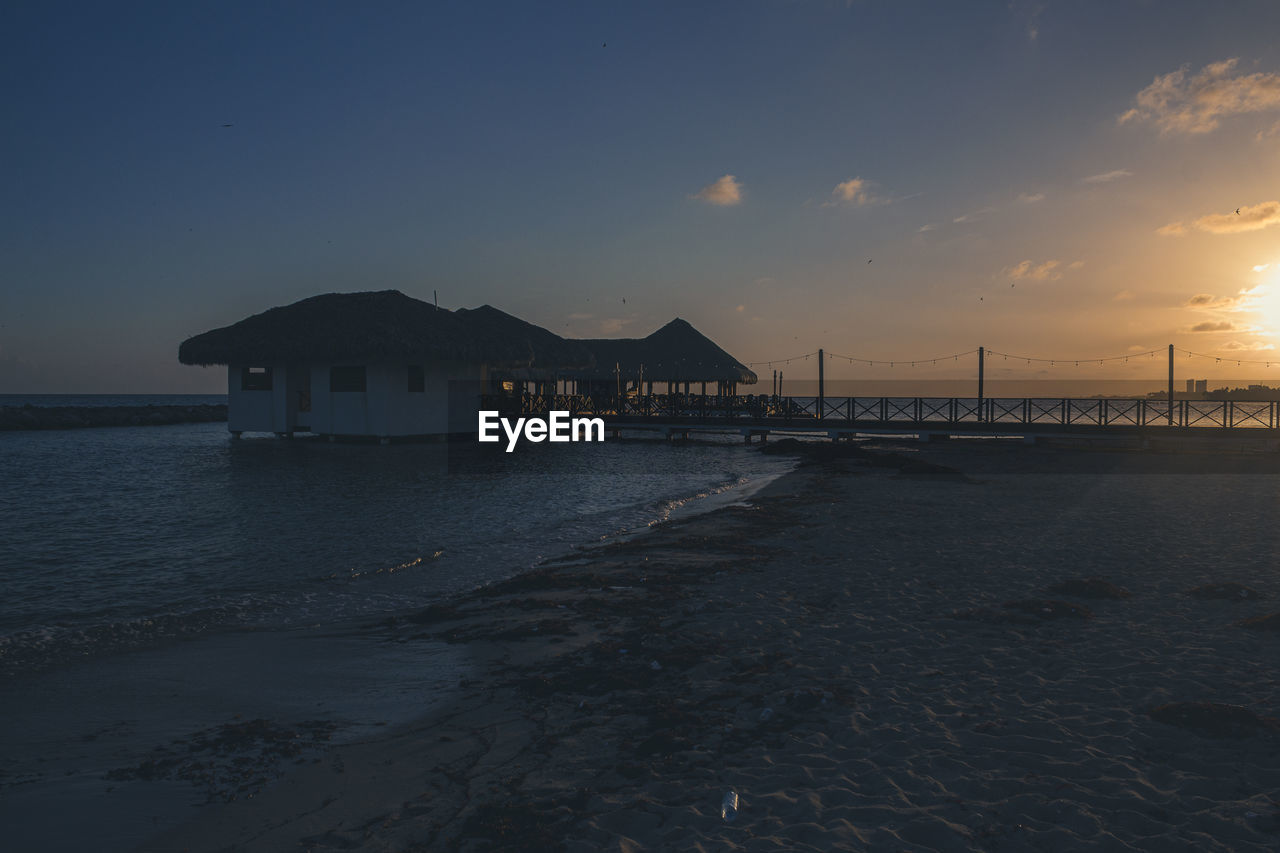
x=385, y=364
x=674, y=354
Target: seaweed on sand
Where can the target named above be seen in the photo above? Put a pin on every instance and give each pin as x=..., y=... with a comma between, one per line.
x=1045, y=608
x=1266, y=622
x=1093, y=587
x=1032, y=611
x=1214, y=719
x=230, y=760
x=527, y=825
x=1225, y=592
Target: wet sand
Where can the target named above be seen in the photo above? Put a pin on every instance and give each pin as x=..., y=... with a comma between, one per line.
x=902, y=650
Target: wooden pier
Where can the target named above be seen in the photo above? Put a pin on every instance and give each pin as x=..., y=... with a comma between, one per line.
x=925, y=417
x=677, y=414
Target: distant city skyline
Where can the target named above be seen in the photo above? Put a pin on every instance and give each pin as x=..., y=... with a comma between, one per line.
x=1067, y=180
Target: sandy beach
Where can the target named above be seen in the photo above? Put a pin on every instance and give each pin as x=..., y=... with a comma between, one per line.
x=896, y=648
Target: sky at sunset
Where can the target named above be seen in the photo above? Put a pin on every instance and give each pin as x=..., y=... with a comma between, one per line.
x=887, y=180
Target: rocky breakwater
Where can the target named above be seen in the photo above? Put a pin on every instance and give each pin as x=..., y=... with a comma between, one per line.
x=77, y=417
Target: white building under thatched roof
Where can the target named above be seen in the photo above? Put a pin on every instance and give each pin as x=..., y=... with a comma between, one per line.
x=382, y=364
x=377, y=364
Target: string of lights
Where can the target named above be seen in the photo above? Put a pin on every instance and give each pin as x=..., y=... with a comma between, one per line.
x=771, y=363
x=1219, y=359
x=895, y=362
x=1032, y=359
x=1029, y=359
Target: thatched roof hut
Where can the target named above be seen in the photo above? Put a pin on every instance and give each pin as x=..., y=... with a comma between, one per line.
x=382, y=325
x=675, y=353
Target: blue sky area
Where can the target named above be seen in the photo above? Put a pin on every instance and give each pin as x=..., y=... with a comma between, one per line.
x=1049, y=178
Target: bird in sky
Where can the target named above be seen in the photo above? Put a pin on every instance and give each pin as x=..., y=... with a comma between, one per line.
x=868, y=260
x=1237, y=211
x=228, y=125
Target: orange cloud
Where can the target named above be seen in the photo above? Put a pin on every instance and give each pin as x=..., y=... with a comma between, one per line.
x=1209, y=301
x=1181, y=103
x=1047, y=271
x=854, y=191
x=1173, y=229
x=724, y=191
x=1108, y=177
x=1248, y=219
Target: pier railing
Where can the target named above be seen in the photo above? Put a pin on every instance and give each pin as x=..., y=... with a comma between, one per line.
x=889, y=412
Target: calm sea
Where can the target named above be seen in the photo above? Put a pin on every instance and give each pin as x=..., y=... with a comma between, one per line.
x=113, y=399
x=157, y=580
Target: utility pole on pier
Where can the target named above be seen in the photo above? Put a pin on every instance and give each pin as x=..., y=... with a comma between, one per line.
x=981, y=368
x=821, y=361
x=1170, y=384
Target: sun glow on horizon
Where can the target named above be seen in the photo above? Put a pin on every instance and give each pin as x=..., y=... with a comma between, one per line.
x=1264, y=299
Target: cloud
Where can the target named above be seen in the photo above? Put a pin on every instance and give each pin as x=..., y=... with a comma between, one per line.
x=613, y=325
x=1173, y=229
x=741, y=308
x=1260, y=267
x=1251, y=346
x=973, y=215
x=1123, y=296
x=1181, y=103
x=1208, y=301
x=1047, y=271
x=1213, y=326
x=724, y=191
x=1274, y=130
x=1107, y=177
x=1248, y=219
x=1028, y=14
x=854, y=191
x=1024, y=198
x=1075, y=265
x=924, y=228
x=580, y=316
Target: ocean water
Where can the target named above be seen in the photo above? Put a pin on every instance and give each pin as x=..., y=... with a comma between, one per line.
x=121, y=537
x=161, y=580
x=113, y=399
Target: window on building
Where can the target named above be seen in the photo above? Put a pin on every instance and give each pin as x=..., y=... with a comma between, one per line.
x=255, y=379
x=346, y=379
x=417, y=381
